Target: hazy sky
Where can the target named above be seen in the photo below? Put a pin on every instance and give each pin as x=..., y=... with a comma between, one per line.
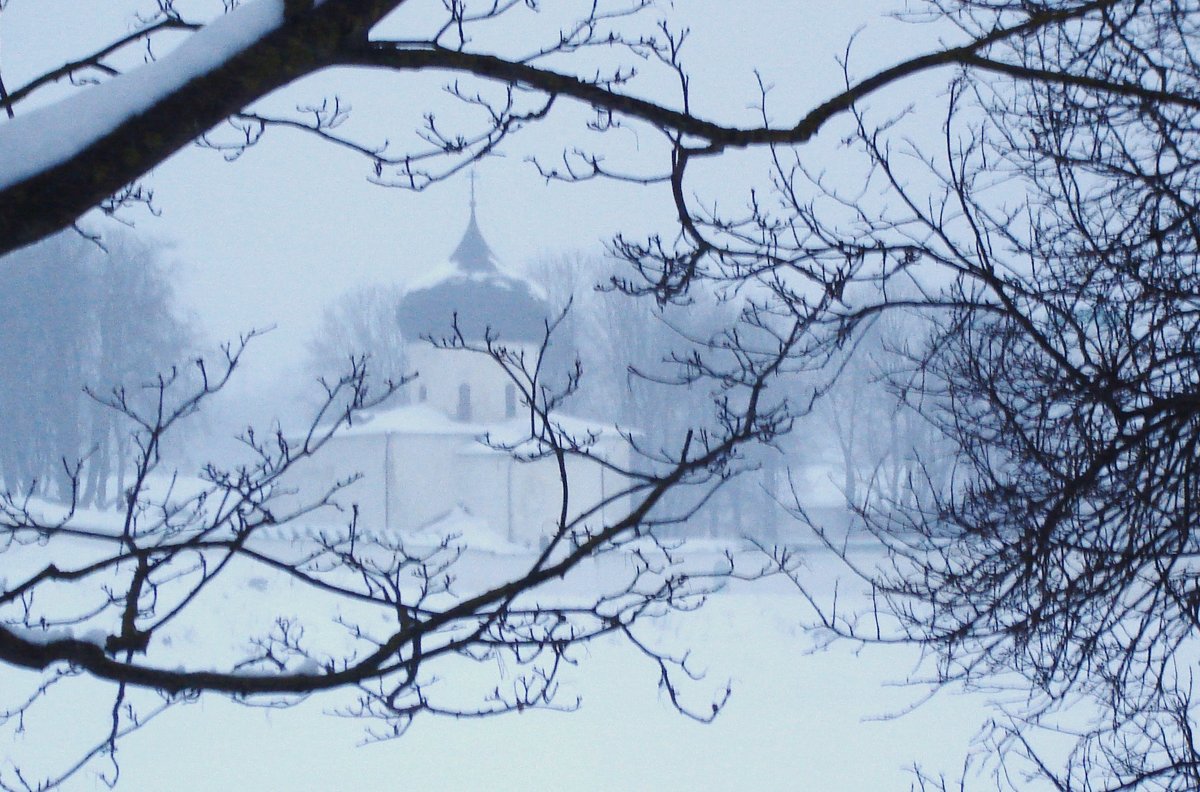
x=270, y=238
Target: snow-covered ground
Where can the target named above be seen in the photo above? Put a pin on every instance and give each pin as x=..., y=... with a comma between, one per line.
x=797, y=719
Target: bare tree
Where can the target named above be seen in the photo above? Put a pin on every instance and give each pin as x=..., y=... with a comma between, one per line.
x=1058, y=257
x=881, y=433
x=76, y=315
x=1072, y=420
x=360, y=324
x=633, y=351
x=122, y=128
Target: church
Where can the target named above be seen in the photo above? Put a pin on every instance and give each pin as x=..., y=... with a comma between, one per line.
x=433, y=465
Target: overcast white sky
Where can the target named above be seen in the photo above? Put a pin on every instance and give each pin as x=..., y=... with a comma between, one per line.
x=269, y=239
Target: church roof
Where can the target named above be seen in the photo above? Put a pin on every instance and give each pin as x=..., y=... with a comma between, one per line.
x=474, y=289
x=421, y=419
x=473, y=253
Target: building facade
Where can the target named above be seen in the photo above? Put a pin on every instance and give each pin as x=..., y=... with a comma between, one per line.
x=461, y=447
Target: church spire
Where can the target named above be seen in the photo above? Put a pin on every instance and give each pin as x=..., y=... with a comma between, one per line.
x=473, y=253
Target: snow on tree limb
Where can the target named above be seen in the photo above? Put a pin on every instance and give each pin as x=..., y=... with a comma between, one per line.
x=60, y=162
x=48, y=137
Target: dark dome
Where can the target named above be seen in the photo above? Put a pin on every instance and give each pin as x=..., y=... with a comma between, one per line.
x=483, y=297
x=504, y=305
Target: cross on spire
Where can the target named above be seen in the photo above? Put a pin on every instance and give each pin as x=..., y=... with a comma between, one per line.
x=473, y=176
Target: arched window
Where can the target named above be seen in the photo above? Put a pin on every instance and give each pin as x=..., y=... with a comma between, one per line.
x=510, y=401
x=464, y=402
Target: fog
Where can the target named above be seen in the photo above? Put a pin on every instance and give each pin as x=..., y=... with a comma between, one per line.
x=305, y=418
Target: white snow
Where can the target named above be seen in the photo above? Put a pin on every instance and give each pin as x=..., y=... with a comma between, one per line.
x=307, y=666
x=32, y=143
x=464, y=531
x=46, y=634
x=101, y=523
x=797, y=719
x=173, y=491
x=42, y=635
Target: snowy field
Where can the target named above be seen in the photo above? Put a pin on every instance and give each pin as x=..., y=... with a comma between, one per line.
x=797, y=719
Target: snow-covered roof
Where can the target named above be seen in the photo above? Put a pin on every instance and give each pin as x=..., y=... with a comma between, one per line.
x=473, y=287
x=421, y=419
x=417, y=419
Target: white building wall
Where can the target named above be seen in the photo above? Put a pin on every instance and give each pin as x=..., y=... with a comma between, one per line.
x=425, y=481
x=411, y=480
x=484, y=487
x=441, y=373
x=342, y=458
x=538, y=493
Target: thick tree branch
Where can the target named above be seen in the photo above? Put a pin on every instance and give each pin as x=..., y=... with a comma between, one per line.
x=334, y=33
x=382, y=54
x=92, y=61
x=52, y=199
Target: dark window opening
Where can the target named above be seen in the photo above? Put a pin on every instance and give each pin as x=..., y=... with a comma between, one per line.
x=464, y=402
x=422, y=393
x=510, y=401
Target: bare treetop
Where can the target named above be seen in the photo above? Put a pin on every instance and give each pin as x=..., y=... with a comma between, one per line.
x=122, y=128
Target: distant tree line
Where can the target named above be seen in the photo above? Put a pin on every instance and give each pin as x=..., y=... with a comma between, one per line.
x=78, y=316
x=357, y=323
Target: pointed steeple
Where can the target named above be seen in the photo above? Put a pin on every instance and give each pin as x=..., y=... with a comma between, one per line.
x=473, y=253
x=486, y=301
